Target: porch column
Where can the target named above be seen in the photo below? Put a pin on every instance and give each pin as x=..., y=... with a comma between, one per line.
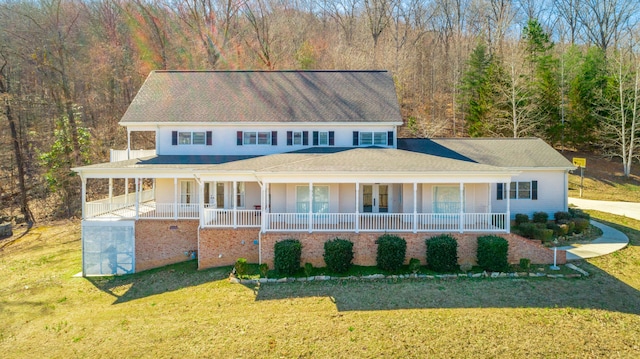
x=263, y=206
x=235, y=204
x=128, y=144
x=357, y=207
x=83, y=193
x=415, y=207
x=507, y=224
x=215, y=195
x=489, y=198
x=137, y=198
x=461, y=207
x=175, y=198
x=110, y=191
x=126, y=191
x=310, y=207
x=201, y=198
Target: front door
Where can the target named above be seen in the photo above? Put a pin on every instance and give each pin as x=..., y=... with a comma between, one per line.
x=375, y=198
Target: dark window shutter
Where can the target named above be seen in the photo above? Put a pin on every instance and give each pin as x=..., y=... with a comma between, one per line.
x=209, y=138
x=534, y=189
x=315, y=138
x=274, y=138
x=332, y=140
x=174, y=138
x=499, y=191
x=390, y=138
x=305, y=138
x=239, y=138
x=355, y=138
x=289, y=138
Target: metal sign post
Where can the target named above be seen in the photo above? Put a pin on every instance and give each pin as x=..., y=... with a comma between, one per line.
x=582, y=163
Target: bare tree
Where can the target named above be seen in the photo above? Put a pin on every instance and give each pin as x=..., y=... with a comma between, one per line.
x=568, y=11
x=378, y=18
x=604, y=20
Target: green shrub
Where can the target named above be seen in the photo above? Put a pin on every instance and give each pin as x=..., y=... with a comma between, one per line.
x=308, y=269
x=414, y=265
x=558, y=230
x=528, y=230
x=580, y=225
x=286, y=257
x=578, y=213
x=492, y=253
x=521, y=218
x=338, y=254
x=241, y=267
x=525, y=263
x=442, y=253
x=391, y=252
x=264, y=270
x=559, y=216
x=540, y=217
x=543, y=234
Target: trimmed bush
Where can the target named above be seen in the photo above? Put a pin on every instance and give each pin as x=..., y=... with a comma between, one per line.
x=521, y=218
x=543, y=234
x=559, y=216
x=528, y=230
x=338, y=254
x=558, y=230
x=286, y=257
x=241, y=267
x=442, y=253
x=492, y=253
x=578, y=213
x=308, y=269
x=525, y=263
x=391, y=252
x=580, y=224
x=540, y=217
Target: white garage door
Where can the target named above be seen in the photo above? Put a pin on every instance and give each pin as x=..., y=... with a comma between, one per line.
x=108, y=247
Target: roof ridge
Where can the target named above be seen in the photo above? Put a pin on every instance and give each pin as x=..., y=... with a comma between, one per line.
x=264, y=71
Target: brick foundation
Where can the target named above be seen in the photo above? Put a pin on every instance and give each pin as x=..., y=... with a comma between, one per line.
x=158, y=245
x=223, y=246
x=364, y=247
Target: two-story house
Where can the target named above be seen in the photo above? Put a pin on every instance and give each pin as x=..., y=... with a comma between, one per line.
x=246, y=158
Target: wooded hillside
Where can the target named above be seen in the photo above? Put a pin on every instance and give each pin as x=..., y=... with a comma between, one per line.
x=563, y=70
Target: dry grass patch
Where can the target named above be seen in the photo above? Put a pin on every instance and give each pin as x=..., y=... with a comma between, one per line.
x=178, y=311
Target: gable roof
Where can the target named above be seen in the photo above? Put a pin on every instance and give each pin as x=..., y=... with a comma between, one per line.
x=265, y=97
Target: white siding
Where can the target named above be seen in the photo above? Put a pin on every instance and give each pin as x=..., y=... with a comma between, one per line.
x=552, y=196
x=347, y=198
x=224, y=138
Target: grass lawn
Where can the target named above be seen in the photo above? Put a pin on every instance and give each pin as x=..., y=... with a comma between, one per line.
x=177, y=311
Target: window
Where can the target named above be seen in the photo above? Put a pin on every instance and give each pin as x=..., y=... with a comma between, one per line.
x=240, y=189
x=518, y=190
x=373, y=138
x=257, y=138
x=323, y=138
x=297, y=138
x=446, y=199
x=320, y=199
x=191, y=138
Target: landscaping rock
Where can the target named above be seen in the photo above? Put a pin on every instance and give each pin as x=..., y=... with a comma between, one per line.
x=234, y=280
x=6, y=230
x=495, y=275
x=577, y=269
x=476, y=275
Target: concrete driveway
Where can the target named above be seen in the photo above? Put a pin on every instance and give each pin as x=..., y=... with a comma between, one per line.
x=629, y=209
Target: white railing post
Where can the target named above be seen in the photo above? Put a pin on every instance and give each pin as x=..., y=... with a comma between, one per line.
x=84, y=195
x=310, y=207
x=201, y=202
x=137, y=198
x=507, y=224
x=129, y=144
x=235, y=204
x=175, y=198
x=461, y=207
x=357, y=224
x=415, y=207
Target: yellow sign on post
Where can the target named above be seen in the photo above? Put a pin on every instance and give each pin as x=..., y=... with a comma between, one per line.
x=580, y=162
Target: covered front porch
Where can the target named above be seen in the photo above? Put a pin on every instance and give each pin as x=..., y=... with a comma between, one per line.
x=306, y=207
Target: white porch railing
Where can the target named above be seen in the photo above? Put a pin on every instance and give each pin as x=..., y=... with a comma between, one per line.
x=303, y=222
x=121, y=155
x=214, y=217
x=386, y=222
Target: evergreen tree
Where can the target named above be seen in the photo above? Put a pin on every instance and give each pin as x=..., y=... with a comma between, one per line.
x=478, y=92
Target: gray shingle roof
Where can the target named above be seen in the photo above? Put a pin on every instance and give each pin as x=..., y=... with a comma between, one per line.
x=500, y=152
x=265, y=96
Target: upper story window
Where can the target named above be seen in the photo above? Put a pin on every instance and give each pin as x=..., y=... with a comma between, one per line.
x=365, y=138
x=191, y=138
x=323, y=138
